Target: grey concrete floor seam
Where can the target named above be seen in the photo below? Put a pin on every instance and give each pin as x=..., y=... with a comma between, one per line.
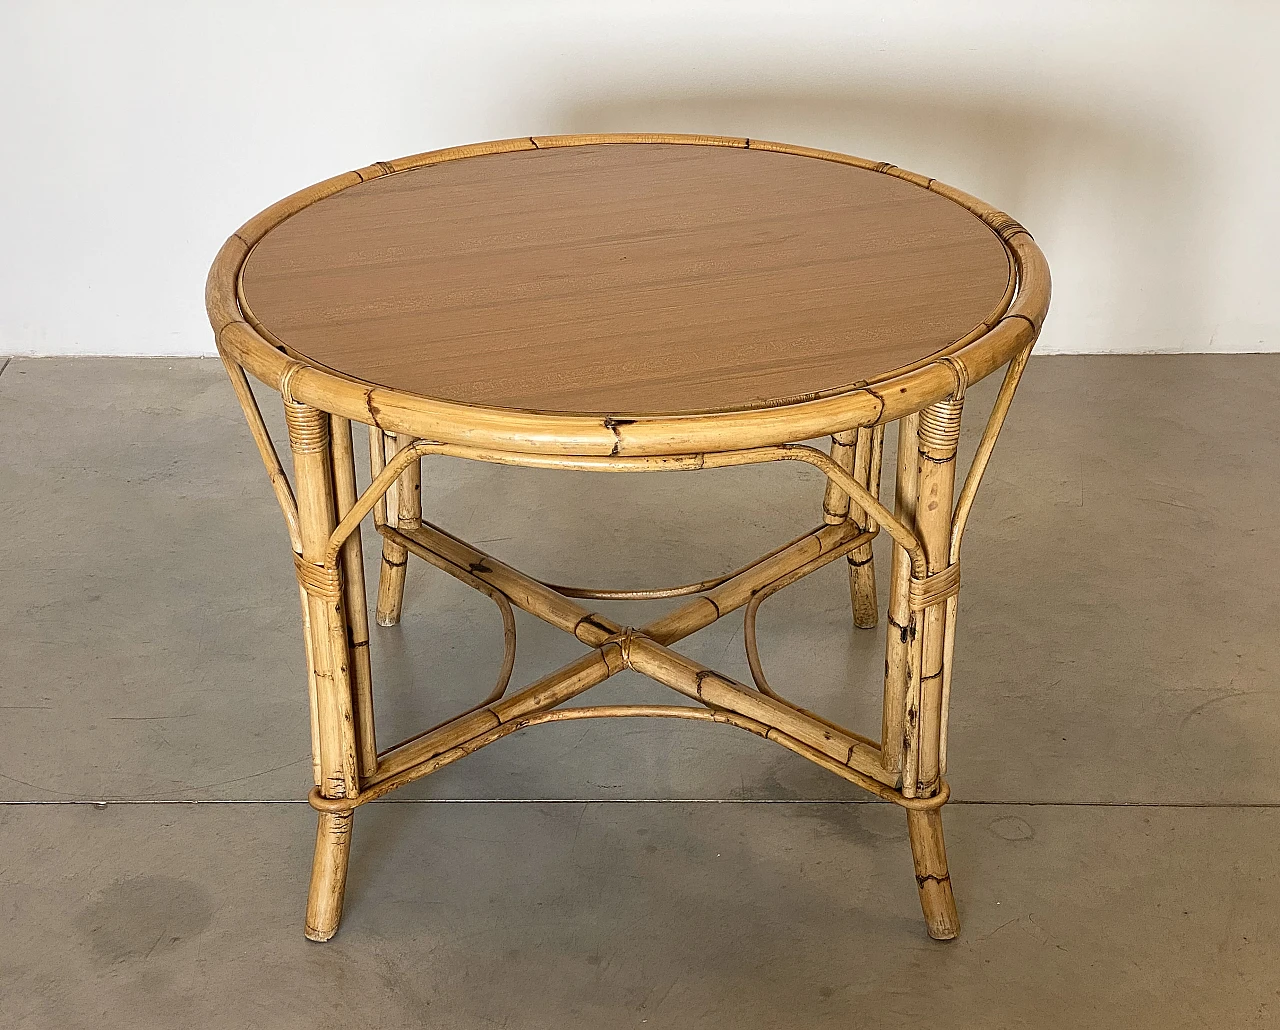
x=956, y=803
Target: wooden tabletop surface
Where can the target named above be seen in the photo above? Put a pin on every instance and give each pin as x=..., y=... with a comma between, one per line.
x=626, y=278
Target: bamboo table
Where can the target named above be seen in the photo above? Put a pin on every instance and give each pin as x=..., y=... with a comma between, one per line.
x=628, y=304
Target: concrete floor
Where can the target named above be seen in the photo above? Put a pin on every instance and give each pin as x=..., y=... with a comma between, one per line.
x=1117, y=705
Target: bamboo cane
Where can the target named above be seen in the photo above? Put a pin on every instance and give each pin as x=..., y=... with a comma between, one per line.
x=749, y=630
x=377, y=462
x=551, y=690
x=713, y=715
x=862, y=570
x=522, y=591
x=938, y=435
x=986, y=445
x=309, y=438
x=835, y=502
x=391, y=496
x=703, y=684
x=344, y=482
x=313, y=701
x=267, y=449
x=898, y=680
x=734, y=593
x=409, y=500
x=404, y=507
x=683, y=590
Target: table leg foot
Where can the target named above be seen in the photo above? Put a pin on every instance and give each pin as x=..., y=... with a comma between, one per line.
x=932, y=877
x=328, y=875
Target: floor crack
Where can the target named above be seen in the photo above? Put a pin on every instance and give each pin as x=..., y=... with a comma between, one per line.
x=105, y=802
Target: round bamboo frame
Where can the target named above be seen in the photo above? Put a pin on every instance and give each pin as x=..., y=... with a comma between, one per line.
x=324, y=510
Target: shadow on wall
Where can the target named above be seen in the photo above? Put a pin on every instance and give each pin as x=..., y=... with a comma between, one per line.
x=1115, y=206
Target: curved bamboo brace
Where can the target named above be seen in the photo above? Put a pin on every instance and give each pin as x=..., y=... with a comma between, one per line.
x=685, y=590
x=968, y=492
x=377, y=462
x=681, y=591
x=749, y=627
x=611, y=463
x=986, y=445
x=275, y=471
x=760, y=729
x=375, y=492
x=640, y=711
x=708, y=714
x=508, y=626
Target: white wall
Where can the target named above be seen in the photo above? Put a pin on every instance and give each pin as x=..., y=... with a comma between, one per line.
x=1137, y=140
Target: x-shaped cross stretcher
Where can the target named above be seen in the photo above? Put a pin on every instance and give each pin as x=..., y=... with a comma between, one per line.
x=646, y=649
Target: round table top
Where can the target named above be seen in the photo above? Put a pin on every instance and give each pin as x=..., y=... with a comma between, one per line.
x=627, y=278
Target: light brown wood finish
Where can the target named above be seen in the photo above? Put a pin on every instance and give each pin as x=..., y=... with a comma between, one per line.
x=738, y=299
x=626, y=279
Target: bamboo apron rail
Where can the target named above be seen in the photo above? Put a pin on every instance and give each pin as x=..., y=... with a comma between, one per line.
x=628, y=303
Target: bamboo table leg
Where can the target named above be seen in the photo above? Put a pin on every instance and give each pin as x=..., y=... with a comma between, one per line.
x=344, y=485
x=938, y=434
x=858, y=453
x=862, y=569
x=901, y=631
x=309, y=437
x=404, y=508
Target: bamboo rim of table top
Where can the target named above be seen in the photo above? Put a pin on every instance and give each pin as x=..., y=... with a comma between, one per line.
x=1010, y=331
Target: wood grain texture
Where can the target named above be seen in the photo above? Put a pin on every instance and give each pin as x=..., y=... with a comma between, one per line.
x=626, y=279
